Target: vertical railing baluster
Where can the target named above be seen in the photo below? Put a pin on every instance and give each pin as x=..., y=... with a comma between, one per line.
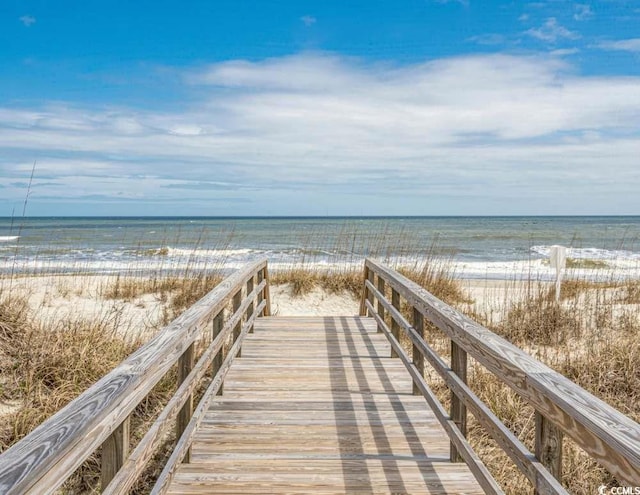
x=267, y=294
x=395, y=328
x=365, y=291
x=418, y=358
x=371, y=277
x=458, y=409
x=250, y=307
x=261, y=293
x=549, y=445
x=218, y=324
x=115, y=450
x=237, y=301
x=380, y=306
x=185, y=365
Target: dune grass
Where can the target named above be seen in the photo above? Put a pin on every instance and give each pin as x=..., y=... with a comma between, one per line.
x=45, y=362
x=592, y=336
x=45, y=366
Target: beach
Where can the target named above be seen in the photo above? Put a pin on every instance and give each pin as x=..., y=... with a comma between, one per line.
x=93, y=302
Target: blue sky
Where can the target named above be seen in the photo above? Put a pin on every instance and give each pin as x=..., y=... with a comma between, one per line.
x=315, y=108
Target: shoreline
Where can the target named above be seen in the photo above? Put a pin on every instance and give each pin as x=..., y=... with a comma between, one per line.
x=522, y=270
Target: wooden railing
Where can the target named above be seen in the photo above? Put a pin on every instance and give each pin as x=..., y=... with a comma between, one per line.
x=43, y=460
x=561, y=406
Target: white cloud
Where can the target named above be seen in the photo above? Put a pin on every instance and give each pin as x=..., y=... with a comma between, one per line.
x=551, y=32
x=308, y=20
x=28, y=20
x=628, y=45
x=488, y=39
x=563, y=52
x=336, y=126
x=582, y=12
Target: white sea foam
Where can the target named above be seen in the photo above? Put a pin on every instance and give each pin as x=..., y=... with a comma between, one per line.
x=592, y=253
x=535, y=269
x=210, y=253
x=9, y=238
x=538, y=269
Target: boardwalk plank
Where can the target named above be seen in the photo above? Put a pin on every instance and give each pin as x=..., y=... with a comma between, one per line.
x=317, y=405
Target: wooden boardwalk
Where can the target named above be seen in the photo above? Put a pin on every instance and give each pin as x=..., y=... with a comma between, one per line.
x=316, y=405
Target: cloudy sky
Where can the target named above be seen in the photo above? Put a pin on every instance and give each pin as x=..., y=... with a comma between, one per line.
x=281, y=107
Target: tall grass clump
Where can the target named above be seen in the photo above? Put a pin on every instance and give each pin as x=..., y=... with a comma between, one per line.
x=46, y=362
x=45, y=366
x=303, y=280
x=591, y=335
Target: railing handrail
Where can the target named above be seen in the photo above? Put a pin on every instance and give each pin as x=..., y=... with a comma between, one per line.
x=44, y=456
x=606, y=434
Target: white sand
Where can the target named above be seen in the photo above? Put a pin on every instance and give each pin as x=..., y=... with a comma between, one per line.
x=54, y=298
x=57, y=297
x=318, y=302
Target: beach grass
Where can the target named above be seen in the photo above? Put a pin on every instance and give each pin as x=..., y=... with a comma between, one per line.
x=591, y=336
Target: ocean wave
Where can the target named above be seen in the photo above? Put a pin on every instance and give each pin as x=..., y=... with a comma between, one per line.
x=592, y=253
x=9, y=238
x=211, y=253
x=535, y=269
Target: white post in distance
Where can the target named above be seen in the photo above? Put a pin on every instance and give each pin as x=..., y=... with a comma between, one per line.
x=558, y=260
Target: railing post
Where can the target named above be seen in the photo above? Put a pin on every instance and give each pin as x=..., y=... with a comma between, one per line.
x=549, y=445
x=250, y=307
x=365, y=292
x=185, y=365
x=395, y=328
x=260, y=278
x=458, y=409
x=115, y=450
x=380, y=306
x=237, y=301
x=371, y=278
x=218, y=323
x=418, y=358
x=267, y=294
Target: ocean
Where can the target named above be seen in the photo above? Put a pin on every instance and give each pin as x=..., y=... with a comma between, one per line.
x=478, y=247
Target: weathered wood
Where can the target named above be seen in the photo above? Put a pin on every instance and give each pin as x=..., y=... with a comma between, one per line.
x=267, y=294
x=458, y=409
x=475, y=464
x=371, y=278
x=380, y=306
x=218, y=323
x=185, y=365
x=250, y=308
x=261, y=294
x=395, y=328
x=606, y=434
x=526, y=462
x=44, y=459
x=418, y=358
x=363, y=297
x=319, y=438
x=237, y=300
x=115, y=450
x=143, y=453
x=548, y=445
x=184, y=443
